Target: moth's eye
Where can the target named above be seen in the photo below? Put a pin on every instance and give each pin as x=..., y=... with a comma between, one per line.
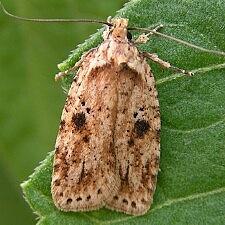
x=129, y=36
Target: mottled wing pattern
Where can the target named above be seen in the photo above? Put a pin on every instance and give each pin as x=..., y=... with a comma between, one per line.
x=136, y=142
x=85, y=172
x=107, y=149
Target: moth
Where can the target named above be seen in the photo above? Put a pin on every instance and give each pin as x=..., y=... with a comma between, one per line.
x=108, y=146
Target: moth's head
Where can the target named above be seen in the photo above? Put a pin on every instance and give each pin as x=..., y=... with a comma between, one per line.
x=117, y=30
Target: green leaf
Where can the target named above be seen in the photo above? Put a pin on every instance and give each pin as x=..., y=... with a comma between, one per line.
x=191, y=183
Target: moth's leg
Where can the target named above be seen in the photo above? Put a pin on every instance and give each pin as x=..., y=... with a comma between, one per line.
x=65, y=73
x=143, y=38
x=75, y=67
x=165, y=64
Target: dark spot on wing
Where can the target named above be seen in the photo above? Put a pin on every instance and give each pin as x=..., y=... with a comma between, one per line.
x=62, y=124
x=56, y=168
x=143, y=201
x=135, y=114
x=88, y=110
x=133, y=204
x=86, y=139
x=130, y=142
x=57, y=151
x=141, y=127
x=79, y=120
x=82, y=175
x=79, y=199
x=57, y=182
x=69, y=200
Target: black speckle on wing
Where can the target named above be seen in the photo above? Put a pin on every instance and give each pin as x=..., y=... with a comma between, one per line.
x=141, y=127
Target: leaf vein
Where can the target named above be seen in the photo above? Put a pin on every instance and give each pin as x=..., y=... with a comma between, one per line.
x=195, y=129
x=199, y=70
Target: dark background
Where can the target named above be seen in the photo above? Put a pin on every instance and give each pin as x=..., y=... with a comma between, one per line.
x=30, y=101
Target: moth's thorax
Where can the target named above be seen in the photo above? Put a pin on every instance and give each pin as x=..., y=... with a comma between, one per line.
x=115, y=50
x=118, y=30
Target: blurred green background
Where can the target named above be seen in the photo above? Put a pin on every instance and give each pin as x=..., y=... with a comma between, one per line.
x=31, y=102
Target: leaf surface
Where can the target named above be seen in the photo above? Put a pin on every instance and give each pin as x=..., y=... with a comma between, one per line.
x=191, y=183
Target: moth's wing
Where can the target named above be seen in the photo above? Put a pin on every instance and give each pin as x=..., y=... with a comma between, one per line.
x=85, y=171
x=136, y=142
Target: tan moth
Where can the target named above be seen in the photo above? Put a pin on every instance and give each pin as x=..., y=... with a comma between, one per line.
x=107, y=149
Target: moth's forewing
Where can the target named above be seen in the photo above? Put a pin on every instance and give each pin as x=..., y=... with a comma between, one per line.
x=107, y=149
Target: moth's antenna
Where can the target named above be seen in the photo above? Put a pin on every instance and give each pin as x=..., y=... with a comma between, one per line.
x=52, y=20
x=178, y=40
